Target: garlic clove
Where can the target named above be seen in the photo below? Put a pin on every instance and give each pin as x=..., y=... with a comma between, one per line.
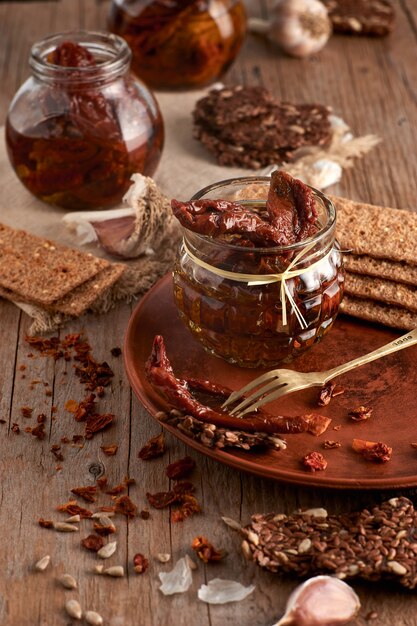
x=320, y=601
x=298, y=27
x=130, y=231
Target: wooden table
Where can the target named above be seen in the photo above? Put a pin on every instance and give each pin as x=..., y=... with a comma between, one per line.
x=372, y=84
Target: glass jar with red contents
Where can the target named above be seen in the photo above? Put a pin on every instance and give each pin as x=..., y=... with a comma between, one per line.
x=81, y=125
x=180, y=43
x=231, y=296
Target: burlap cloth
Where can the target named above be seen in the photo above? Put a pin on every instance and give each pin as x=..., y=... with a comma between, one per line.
x=185, y=168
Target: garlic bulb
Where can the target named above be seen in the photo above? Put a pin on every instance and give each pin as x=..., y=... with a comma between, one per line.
x=299, y=27
x=321, y=601
x=127, y=232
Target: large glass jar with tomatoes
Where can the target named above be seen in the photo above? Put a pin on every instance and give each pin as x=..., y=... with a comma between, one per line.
x=81, y=125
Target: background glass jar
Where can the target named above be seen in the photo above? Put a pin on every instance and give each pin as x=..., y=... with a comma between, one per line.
x=75, y=135
x=180, y=43
x=243, y=323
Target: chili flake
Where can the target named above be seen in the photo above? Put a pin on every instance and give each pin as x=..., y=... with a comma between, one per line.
x=93, y=543
x=153, y=448
x=181, y=468
x=125, y=505
x=140, y=563
x=86, y=493
x=315, y=461
x=110, y=450
x=206, y=551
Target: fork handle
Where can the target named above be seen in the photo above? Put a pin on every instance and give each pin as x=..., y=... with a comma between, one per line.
x=398, y=344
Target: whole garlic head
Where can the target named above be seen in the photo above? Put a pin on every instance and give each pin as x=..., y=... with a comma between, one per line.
x=299, y=27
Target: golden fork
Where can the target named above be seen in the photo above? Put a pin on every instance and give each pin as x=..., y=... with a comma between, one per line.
x=277, y=383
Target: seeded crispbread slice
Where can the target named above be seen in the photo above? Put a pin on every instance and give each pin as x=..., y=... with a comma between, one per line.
x=382, y=268
x=373, y=311
x=382, y=290
x=361, y=17
x=42, y=271
x=80, y=299
x=379, y=232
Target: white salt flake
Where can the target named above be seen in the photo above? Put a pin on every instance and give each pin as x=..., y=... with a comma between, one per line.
x=220, y=591
x=178, y=580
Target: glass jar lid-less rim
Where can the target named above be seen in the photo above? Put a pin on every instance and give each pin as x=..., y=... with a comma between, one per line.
x=234, y=189
x=111, y=53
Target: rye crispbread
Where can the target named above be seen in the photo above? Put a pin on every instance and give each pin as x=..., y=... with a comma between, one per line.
x=247, y=127
x=361, y=17
x=373, y=311
x=42, y=271
x=386, y=291
x=382, y=268
x=379, y=232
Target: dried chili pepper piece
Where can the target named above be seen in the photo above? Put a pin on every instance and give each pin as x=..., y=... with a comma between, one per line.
x=140, y=563
x=206, y=551
x=361, y=413
x=45, y=523
x=72, y=508
x=315, y=461
x=93, y=543
x=86, y=493
x=110, y=450
x=181, y=468
x=125, y=506
x=153, y=448
x=97, y=422
x=162, y=499
x=377, y=452
x=159, y=372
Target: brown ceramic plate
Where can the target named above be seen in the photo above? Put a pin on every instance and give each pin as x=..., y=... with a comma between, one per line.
x=387, y=385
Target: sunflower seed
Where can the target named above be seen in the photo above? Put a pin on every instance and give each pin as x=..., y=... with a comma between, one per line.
x=73, y=608
x=108, y=550
x=117, y=571
x=68, y=581
x=93, y=618
x=98, y=569
x=100, y=514
x=63, y=527
x=192, y=564
x=43, y=563
x=73, y=518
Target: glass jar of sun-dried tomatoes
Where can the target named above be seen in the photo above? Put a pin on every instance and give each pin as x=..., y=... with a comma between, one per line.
x=180, y=43
x=81, y=125
x=231, y=296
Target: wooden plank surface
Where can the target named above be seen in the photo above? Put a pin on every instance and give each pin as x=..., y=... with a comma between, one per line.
x=371, y=83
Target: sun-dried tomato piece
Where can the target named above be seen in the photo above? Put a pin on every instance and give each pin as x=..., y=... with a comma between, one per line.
x=125, y=506
x=206, y=551
x=46, y=347
x=375, y=451
x=189, y=506
x=93, y=374
x=72, y=508
x=315, y=461
x=162, y=499
x=86, y=493
x=331, y=445
x=114, y=491
x=361, y=413
x=82, y=410
x=93, y=543
x=110, y=450
x=26, y=411
x=181, y=468
x=45, y=523
x=140, y=563
x=96, y=422
x=183, y=487
x=153, y=448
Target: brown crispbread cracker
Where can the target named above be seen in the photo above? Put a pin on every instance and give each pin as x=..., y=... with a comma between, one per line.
x=80, y=299
x=42, y=271
x=386, y=291
x=379, y=232
x=373, y=311
x=361, y=17
x=382, y=268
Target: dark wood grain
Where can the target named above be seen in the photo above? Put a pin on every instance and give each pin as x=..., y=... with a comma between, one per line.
x=371, y=83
